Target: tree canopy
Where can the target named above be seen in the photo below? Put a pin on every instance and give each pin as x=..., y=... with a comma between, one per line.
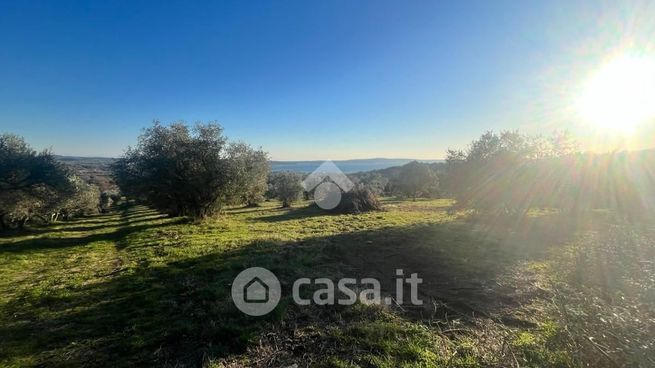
x=416, y=180
x=192, y=172
x=35, y=184
x=286, y=186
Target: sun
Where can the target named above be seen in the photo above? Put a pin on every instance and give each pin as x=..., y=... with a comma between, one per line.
x=620, y=95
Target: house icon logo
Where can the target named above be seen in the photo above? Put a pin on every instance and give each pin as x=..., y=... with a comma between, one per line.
x=327, y=182
x=256, y=291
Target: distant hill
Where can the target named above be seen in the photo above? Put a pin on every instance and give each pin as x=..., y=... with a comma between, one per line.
x=347, y=166
x=86, y=160
x=95, y=170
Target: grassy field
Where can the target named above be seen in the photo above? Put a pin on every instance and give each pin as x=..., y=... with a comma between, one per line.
x=134, y=287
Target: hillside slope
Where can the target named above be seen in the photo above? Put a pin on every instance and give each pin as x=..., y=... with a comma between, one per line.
x=154, y=290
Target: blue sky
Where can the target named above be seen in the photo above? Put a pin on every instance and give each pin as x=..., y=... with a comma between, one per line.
x=302, y=79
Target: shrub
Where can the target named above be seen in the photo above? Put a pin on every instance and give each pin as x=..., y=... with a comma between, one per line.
x=286, y=186
x=249, y=169
x=374, y=181
x=359, y=199
x=84, y=200
x=417, y=180
x=107, y=199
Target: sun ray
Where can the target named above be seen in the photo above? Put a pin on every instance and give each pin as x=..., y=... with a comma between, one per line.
x=620, y=95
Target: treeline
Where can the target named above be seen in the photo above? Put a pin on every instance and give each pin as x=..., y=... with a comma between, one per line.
x=196, y=171
x=412, y=180
x=513, y=173
x=36, y=186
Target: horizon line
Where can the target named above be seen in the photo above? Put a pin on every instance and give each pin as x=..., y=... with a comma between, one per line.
x=302, y=160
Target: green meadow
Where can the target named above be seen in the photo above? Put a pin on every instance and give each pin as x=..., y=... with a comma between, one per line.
x=135, y=287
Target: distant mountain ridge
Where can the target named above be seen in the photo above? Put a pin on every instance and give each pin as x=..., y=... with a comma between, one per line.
x=347, y=166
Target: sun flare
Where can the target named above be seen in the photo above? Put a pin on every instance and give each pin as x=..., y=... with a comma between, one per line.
x=620, y=95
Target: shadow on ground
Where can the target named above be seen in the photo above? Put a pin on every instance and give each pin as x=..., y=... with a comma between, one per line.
x=295, y=213
x=182, y=313
x=108, y=227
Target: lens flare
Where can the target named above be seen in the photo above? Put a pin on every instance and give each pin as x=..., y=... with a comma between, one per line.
x=620, y=95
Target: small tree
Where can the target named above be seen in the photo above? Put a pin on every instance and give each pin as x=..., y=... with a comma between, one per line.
x=359, y=199
x=84, y=200
x=416, y=179
x=249, y=170
x=287, y=187
x=373, y=181
x=105, y=201
x=509, y=173
x=177, y=170
x=30, y=182
x=108, y=198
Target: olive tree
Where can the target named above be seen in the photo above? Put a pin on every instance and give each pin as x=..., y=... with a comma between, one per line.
x=416, y=180
x=108, y=198
x=177, y=170
x=249, y=170
x=31, y=183
x=510, y=172
x=286, y=186
x=84, y=200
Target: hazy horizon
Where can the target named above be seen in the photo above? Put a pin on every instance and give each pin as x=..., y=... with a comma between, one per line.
x=316, y=160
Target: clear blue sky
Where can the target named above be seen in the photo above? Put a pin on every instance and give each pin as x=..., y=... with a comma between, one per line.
x=303, y=79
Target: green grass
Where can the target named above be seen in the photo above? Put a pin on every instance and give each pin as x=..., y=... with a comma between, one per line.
x=134, y=287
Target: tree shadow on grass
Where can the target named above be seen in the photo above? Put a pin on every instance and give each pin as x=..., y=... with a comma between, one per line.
x=178, y=313
x=33, y=245
x=119, y=215
x=396, y=200
x=126, y=214
x=122, y=226
x=248, y=209
x=114, y=223
x=182, y=314
x=60, y=227
x=296, y=213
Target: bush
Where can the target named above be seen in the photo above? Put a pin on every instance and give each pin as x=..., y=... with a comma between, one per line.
x=249, y=169
x=374, y=181
x=286, y=186
x=106, y=201
x=358, y=200
x=85, y=200
x=416, y=180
